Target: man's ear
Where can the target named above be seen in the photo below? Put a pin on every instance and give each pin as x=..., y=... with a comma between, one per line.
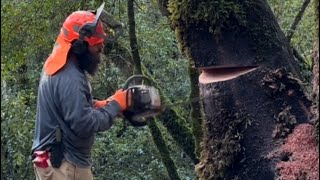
x=79, y=47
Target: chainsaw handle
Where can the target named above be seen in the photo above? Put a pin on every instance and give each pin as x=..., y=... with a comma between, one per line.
x=134, y=77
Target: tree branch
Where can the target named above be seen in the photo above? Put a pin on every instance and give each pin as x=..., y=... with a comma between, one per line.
x=133, y=38
x=297, y=20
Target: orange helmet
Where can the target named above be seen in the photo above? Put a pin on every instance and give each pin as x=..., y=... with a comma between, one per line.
x=72, y=30
x=73, y=24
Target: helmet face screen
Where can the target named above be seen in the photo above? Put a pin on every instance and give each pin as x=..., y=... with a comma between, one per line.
x=94, y=28
x=98, y=13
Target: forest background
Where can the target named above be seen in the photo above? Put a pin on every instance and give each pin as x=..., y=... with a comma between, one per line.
x=28, y=32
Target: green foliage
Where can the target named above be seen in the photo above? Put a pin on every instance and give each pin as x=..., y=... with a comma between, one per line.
x=305, y=34
x=164, y=63
x=134, y=155
x=28, y=31
x=17, y=122
x=131, y=155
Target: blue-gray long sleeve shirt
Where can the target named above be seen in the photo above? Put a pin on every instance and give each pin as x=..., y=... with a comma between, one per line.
x=65, y=101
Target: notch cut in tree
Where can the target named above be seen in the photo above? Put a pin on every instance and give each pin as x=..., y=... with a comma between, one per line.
x=217, y=74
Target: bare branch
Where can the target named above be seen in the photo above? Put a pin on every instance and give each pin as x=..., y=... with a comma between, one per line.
x=297, y=19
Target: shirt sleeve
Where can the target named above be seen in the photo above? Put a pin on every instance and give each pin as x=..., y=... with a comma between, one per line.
x=78, y=112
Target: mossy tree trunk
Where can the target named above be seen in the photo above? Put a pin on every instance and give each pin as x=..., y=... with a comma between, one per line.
x=196, y=109
x=315, y=81
x=249, y=116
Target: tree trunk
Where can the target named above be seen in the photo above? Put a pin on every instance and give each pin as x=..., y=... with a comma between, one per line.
x=248, y=117
x=196, y=110
x=315, y=81
x=315, y=91
x=133, y=39
x=163, y=150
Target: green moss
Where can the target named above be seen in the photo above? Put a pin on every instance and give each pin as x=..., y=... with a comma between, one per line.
x=280, y=82
x=196, y=116
x=180, y=132
x=250, y=18
x=216, y=14
x=222, y=144
x=285, y=123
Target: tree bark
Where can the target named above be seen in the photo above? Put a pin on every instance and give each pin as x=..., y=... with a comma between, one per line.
x=196, y=109
x=133, y=38
x=249, y=117
x=315, y=92
x=163, y=5
x=315, y=80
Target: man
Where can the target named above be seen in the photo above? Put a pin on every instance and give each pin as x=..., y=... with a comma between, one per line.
x=67, y=117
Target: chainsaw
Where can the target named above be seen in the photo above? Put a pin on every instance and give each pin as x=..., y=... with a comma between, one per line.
x=143, y=100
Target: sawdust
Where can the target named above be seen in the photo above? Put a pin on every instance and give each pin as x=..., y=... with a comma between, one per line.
x=300, y=156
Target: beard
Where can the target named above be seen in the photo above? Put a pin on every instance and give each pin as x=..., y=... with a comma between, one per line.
x=88, y=62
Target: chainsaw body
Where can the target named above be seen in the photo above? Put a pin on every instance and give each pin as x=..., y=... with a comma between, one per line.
x=143, y=101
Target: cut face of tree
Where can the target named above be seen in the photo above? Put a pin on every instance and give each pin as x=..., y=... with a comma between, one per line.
x=249, y=112
x=218, y=73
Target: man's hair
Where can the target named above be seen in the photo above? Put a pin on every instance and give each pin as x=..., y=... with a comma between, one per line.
x=79, y=47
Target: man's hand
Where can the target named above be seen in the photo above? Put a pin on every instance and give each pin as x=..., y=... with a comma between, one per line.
x=102, y=103
x=121, y=97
